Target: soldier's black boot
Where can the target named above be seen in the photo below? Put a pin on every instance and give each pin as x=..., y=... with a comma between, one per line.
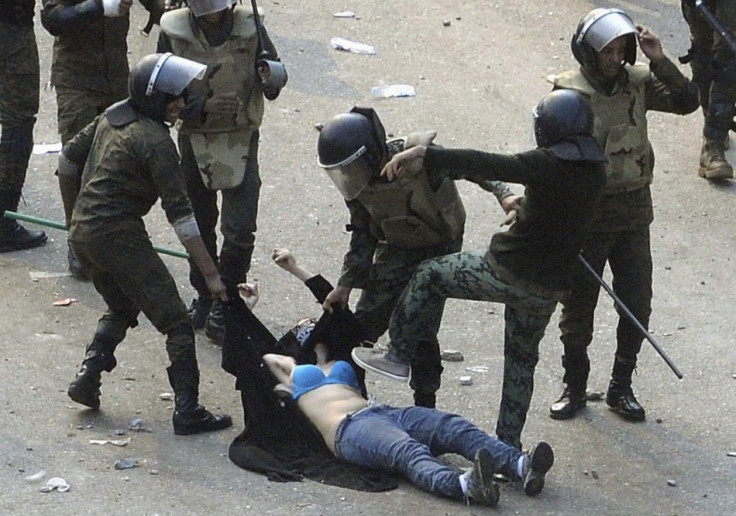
x=573, y=397
x=620, y=397
x=189, y=416
x=85, y=388
x=16, y=144
x=13, y=236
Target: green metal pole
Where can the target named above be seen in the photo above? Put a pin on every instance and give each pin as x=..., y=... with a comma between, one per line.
x=58, y=225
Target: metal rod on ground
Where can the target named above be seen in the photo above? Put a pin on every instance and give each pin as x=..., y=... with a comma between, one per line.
x=631, y=317
x=58, y=225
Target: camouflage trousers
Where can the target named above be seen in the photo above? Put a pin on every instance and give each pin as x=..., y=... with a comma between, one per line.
x=19, y=86
x=472, y=276
x=391, y=271
x=77, y=108
x=131, y=278
x=629, y=255
x=713, y=64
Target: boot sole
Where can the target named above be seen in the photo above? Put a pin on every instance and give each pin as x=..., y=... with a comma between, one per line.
x=702, y=172
x=369, y=367
x=83, y=398
x=542, y=460
x=485, y=471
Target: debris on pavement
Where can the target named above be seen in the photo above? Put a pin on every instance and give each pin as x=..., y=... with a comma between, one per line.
x=56, y=483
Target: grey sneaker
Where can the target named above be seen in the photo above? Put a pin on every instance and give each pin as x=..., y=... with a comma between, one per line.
x=482, y=489
x=380, y=363
x=538, y=463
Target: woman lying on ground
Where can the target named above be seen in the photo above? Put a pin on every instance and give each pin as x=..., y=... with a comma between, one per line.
x=403, y=440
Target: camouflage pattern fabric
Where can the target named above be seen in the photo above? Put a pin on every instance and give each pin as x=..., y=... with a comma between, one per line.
x=472, y=276
x=19, y=86
x=713, y=64
x=78, y=107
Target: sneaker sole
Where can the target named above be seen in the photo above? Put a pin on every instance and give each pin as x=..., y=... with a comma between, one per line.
x=702, y=172
x=542, y=460
x=485, y=473
x=383, y=372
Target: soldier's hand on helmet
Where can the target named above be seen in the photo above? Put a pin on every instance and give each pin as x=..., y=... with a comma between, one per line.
x=284, y=259
x=222, y=104
x=339, y=296
x=650, y=45
x=216, y=286
x=396, y=166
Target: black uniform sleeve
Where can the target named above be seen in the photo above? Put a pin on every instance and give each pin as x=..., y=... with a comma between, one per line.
x=478, y=166
x=319, y=287
x=59, y=19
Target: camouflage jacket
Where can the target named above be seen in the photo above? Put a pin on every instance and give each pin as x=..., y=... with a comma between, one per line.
x=90, y=50
x=368, y=244
x=127, y=170
x=621, y=131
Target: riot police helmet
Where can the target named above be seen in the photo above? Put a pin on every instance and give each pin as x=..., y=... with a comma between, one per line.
x=597, y=29
x=204, y=7
x=158, y=79
x=351, y=148
x=564, y=123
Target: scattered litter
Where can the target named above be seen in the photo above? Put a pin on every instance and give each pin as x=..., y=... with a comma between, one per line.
x=57, y=483
x=731, y=454
x=452, y=355
x=466, y=380
x=591, y=395
x=36, y=476
x=136, y=425
x=733, y=376
x=446, y=23
x=477, y=369
x=46, y=148
x=65, y=302
x=594, y=474
x=114, y=442
x=344, y=14
x=672, y=483
x=119, y=431
x=352, y=46
x=384, y=91
x=166, y=396
x=126, y=463
x=37, y=275
x=153, y=472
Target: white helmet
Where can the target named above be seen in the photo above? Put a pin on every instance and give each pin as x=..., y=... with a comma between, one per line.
x=597, y=29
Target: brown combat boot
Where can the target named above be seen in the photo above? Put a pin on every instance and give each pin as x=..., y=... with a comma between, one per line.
x=713, y=163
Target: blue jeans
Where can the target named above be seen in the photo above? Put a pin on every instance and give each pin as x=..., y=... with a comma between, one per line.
x=407, y=441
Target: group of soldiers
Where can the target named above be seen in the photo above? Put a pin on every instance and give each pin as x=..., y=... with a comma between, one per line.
x=215, y=66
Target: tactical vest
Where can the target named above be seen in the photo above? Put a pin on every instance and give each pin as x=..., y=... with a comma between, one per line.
x=230, y=68
x=620, y=127
x=406, y=212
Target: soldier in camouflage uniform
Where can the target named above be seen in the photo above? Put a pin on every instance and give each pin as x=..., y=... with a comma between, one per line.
x=218, y=137
x=129, y=161
x=713, y=63
x=89, y=69
x=527, y=268
x=19, y=83
x=394, y=227
x=621, y=93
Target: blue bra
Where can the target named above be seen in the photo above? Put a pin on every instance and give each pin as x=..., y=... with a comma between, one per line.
x=307, y=377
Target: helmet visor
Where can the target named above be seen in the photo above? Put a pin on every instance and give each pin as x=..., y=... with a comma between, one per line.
x=172, y=74
x=607, y=27
x=203, y=7
x=351, y=178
